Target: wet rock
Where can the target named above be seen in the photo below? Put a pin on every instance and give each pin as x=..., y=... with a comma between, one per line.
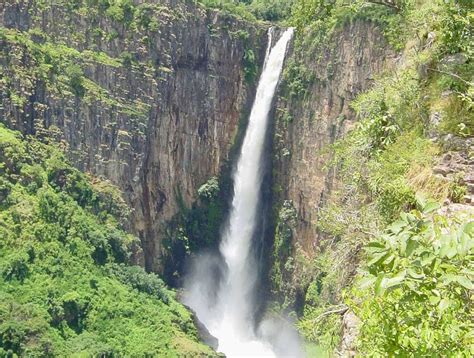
x=203, y=333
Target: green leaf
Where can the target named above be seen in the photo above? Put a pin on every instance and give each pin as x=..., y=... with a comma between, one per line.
x=413, y=274
x=443, y=304
x=379, y=289
x=427, y=259
x=420, y=200
x=452, y=251
x=397, y=226
x=394, y=281
x=434, y=300
x=367, y=281
x=469, y=228
x=375, y=247
x=466, y=243
x=389, y=259
x=377, y=257
x=376, y=244
x=430, y=207
x=448, y=247
x=448, y=278
x=412, y=245
x=464, y=281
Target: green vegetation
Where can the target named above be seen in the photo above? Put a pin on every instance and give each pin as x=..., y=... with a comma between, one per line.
x=61, y=68
x=250, y=66
x=297, y=79
x=402, y=265
x=316, y=20
x=197, y=227
x=66, y=286
x=268, y=10
x=414, y=298
x=282, y=252
x=410, y=282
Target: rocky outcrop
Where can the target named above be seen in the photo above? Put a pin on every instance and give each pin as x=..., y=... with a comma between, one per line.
x=456, y=167
x=350, y=331
x=148, y=95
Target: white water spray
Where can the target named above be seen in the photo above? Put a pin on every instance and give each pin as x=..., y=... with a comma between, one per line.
x=228, y=310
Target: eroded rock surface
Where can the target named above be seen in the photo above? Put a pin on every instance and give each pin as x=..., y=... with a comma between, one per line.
x=156, y=106
x=344, y=68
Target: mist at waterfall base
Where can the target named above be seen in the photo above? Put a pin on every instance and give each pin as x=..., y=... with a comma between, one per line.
x=221, y=288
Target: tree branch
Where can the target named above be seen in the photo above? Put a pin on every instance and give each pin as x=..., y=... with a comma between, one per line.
x=341, y=310
x=385, y=3
x=452, y=75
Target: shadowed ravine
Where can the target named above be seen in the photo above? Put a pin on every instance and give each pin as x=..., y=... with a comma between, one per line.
x=227, y=308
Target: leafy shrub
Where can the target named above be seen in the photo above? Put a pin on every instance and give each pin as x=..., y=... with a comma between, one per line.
x=209, y=190
x=76, y=80
x=237, y=8
x=284, y=230
x=417, y=283
x=250, y=65
x=16, y=267
x=271, y=10
x=297, y=79
x=137, y=278
x=457, y=27
x=121, y=11
x=307, y=12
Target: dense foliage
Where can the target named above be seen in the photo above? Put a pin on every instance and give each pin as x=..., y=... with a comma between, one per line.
x=269, y=10
x=65, y=283
x=385, y=165
x=417, y=299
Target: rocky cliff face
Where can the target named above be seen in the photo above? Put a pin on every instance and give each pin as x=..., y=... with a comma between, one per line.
x=148, y=95
x=311, y=118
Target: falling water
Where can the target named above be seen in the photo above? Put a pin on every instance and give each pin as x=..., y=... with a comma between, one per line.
x=228, y=310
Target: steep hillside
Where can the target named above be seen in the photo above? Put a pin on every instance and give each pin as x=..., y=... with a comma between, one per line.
x=312, y=113
x=147, y=94
x=375, y=119
x=66, y=286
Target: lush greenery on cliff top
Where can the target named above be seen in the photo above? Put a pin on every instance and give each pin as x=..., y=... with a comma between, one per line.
x=65, y=284
x=268, y=10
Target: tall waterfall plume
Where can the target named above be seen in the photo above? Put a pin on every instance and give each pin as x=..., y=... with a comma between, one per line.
x=227, y=307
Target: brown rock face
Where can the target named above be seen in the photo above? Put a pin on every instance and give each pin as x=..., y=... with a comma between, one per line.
x=342, y=69
x=157, y=107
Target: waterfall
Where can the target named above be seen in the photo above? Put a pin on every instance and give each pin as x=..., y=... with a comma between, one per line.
x=228, y=309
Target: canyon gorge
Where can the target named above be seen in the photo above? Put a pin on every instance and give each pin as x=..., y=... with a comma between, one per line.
x=151, y=103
